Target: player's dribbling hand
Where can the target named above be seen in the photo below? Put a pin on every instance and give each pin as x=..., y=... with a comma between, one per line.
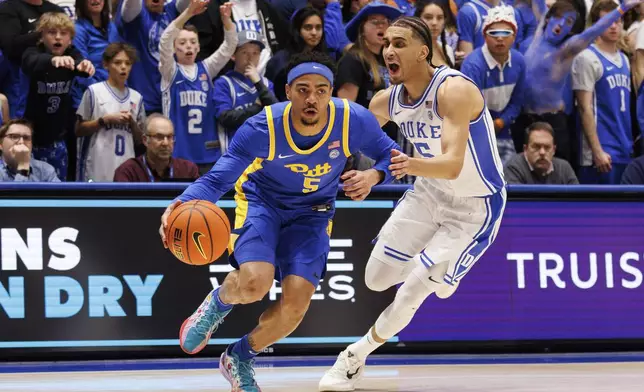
x=164, y=222
x=356, y=184
x=399, y=164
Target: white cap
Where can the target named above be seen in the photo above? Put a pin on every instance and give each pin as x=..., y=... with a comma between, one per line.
x=502, y=13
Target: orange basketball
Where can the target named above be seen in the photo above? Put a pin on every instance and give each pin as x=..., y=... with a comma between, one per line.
x=198, y=232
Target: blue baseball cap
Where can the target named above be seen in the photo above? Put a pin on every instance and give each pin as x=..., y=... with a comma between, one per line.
x=352, y=28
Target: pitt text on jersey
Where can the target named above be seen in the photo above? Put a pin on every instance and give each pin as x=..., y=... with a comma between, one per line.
x=311, y=176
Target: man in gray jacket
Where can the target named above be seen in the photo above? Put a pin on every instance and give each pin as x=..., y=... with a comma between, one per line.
x=537, y=164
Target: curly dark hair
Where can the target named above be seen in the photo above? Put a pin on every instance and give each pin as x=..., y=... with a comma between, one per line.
x=311, y=57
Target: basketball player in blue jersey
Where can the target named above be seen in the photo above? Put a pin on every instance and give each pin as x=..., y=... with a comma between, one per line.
x=187, y=85
x=441, y=227
x=287, y=162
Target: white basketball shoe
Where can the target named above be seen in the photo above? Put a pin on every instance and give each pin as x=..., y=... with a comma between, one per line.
x=344, y=374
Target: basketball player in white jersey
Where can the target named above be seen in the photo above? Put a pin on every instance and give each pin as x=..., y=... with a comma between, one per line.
x=110, y=118
x=441, y=227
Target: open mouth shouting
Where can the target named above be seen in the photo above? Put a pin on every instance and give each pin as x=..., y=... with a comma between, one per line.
x=393, y=68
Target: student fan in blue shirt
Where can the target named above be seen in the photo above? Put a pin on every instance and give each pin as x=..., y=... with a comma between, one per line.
x=499, y=71
x=287, y=162
x=141, y=23
x=187, y=85
x=242, y=92
x=602, y=82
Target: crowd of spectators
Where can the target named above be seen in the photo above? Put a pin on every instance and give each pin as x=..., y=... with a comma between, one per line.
x=147, y=90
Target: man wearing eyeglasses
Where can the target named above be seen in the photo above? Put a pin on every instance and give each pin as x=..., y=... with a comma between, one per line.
x=499, y=71
x=537, y=163
x=157, y=164
x=16, y=163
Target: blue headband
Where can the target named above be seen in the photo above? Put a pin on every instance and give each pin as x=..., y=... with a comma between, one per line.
x=310, y=68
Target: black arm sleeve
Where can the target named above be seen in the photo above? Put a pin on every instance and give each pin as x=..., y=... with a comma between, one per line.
x=266, y=97
x=233, y=119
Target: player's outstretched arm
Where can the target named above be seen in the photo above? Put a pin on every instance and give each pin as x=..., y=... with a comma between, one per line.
x=379, y=106
x=218, y=60
x=459, y=102
x=249, y=143
x=579, y=42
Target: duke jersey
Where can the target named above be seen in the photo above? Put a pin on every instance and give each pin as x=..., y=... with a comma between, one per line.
x=187, y=103
x=242, y=93
x=612, y=111
x=101, y=153
x=292, y=177
x=482, y=172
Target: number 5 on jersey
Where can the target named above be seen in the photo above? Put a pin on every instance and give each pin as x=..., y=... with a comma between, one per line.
x=311, y=176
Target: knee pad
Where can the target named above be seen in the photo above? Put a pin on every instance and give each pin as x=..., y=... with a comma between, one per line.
x=380, y=275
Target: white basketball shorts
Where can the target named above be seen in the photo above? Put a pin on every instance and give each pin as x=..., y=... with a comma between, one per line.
x=441, y=228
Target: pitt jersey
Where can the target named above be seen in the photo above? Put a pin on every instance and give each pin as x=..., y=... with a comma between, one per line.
x=274, y=165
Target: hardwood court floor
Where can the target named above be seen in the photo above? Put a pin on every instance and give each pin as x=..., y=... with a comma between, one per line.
x=489, y=377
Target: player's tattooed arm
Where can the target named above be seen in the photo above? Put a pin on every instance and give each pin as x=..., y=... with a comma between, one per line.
x=379, y=106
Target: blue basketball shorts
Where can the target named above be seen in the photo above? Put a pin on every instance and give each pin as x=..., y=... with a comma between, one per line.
x=295, y=242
